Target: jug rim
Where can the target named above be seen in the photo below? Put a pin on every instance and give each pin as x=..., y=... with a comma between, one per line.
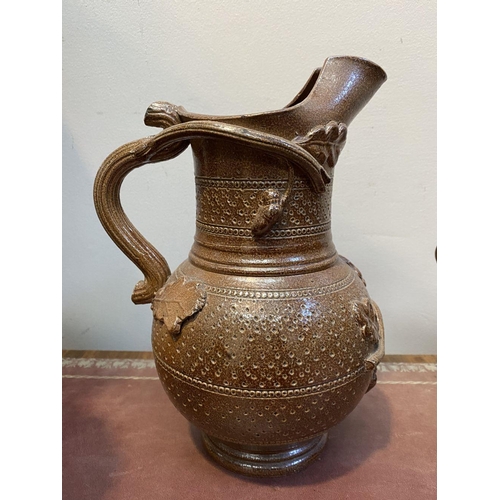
x=297, y=102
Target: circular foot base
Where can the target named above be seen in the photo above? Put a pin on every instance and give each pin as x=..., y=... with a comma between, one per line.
x=264, y=460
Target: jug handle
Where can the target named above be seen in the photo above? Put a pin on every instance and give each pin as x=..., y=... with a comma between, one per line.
x=167, y=144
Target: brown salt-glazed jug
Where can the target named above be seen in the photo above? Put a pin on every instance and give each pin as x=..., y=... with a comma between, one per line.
x=265, y=337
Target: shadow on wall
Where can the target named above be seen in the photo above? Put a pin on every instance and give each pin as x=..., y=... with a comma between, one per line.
x=404, y=296
x=88, y=290
x=97, y=278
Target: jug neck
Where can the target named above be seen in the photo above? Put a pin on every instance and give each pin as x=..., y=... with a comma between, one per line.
x=230, y=187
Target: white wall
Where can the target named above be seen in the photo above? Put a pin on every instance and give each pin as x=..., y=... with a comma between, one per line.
x=232, y=57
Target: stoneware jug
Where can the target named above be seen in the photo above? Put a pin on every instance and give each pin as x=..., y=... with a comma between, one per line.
x=265, y=337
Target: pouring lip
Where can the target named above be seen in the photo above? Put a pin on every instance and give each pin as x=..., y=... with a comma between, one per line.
x=286, y=109
x=368, y=62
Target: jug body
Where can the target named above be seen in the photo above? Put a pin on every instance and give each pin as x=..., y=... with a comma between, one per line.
x=265, y=337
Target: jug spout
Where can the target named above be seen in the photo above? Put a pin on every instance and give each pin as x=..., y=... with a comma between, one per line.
x=343, y=87
x=337, y=92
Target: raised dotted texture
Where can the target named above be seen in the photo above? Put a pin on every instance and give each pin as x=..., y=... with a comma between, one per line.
x=256, y=362
x=227, y=206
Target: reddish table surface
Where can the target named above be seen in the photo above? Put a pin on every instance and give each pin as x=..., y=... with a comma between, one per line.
x=123, y=439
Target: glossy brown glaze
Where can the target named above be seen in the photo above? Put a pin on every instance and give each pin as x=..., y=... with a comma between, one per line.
x=265, y=337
